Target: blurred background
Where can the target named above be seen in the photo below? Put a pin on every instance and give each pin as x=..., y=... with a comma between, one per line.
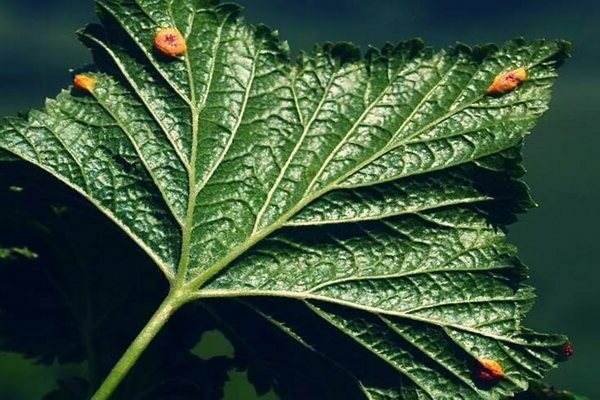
x=559, y=240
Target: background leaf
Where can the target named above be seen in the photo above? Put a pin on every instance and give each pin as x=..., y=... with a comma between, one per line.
x=542, y=391
x=80, y=301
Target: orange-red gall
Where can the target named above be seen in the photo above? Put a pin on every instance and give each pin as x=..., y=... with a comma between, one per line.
x=488, y=370
x=170, y=42
x=84, y=82
x=507, y=81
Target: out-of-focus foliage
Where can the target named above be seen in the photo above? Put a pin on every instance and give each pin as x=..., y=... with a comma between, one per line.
x=541, y=391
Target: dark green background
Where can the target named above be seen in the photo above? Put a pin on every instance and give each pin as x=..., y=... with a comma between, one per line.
x=559, y=240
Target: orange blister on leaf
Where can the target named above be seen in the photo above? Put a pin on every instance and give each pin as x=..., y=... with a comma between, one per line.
x=507, y=81
x=84, y=82
x=488, y=370
x=170, y=42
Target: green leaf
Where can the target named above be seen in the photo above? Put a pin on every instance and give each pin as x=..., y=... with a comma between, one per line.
x=370, y=190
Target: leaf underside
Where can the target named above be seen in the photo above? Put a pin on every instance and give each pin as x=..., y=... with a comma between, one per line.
x=370, y=189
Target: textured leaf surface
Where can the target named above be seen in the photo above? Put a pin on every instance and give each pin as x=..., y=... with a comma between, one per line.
x=371, y=189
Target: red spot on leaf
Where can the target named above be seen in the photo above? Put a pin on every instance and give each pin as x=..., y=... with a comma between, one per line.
x=568, y=351
x=507, y=81
x=170, y=42
x=488, y=370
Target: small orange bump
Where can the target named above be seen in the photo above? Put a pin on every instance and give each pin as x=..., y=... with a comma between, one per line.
x=170, y=42
x=489, y=370
x=84, y=82
x=507, y=81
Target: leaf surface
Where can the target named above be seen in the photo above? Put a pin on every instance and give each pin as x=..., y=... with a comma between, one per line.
x=372, y=189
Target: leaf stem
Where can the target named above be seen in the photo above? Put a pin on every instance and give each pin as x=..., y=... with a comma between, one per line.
x=172, y=303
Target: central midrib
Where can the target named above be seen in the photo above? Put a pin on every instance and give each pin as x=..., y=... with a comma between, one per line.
x=187, y=231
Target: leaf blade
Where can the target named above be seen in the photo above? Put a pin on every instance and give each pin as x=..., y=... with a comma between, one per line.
x=375, y=184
